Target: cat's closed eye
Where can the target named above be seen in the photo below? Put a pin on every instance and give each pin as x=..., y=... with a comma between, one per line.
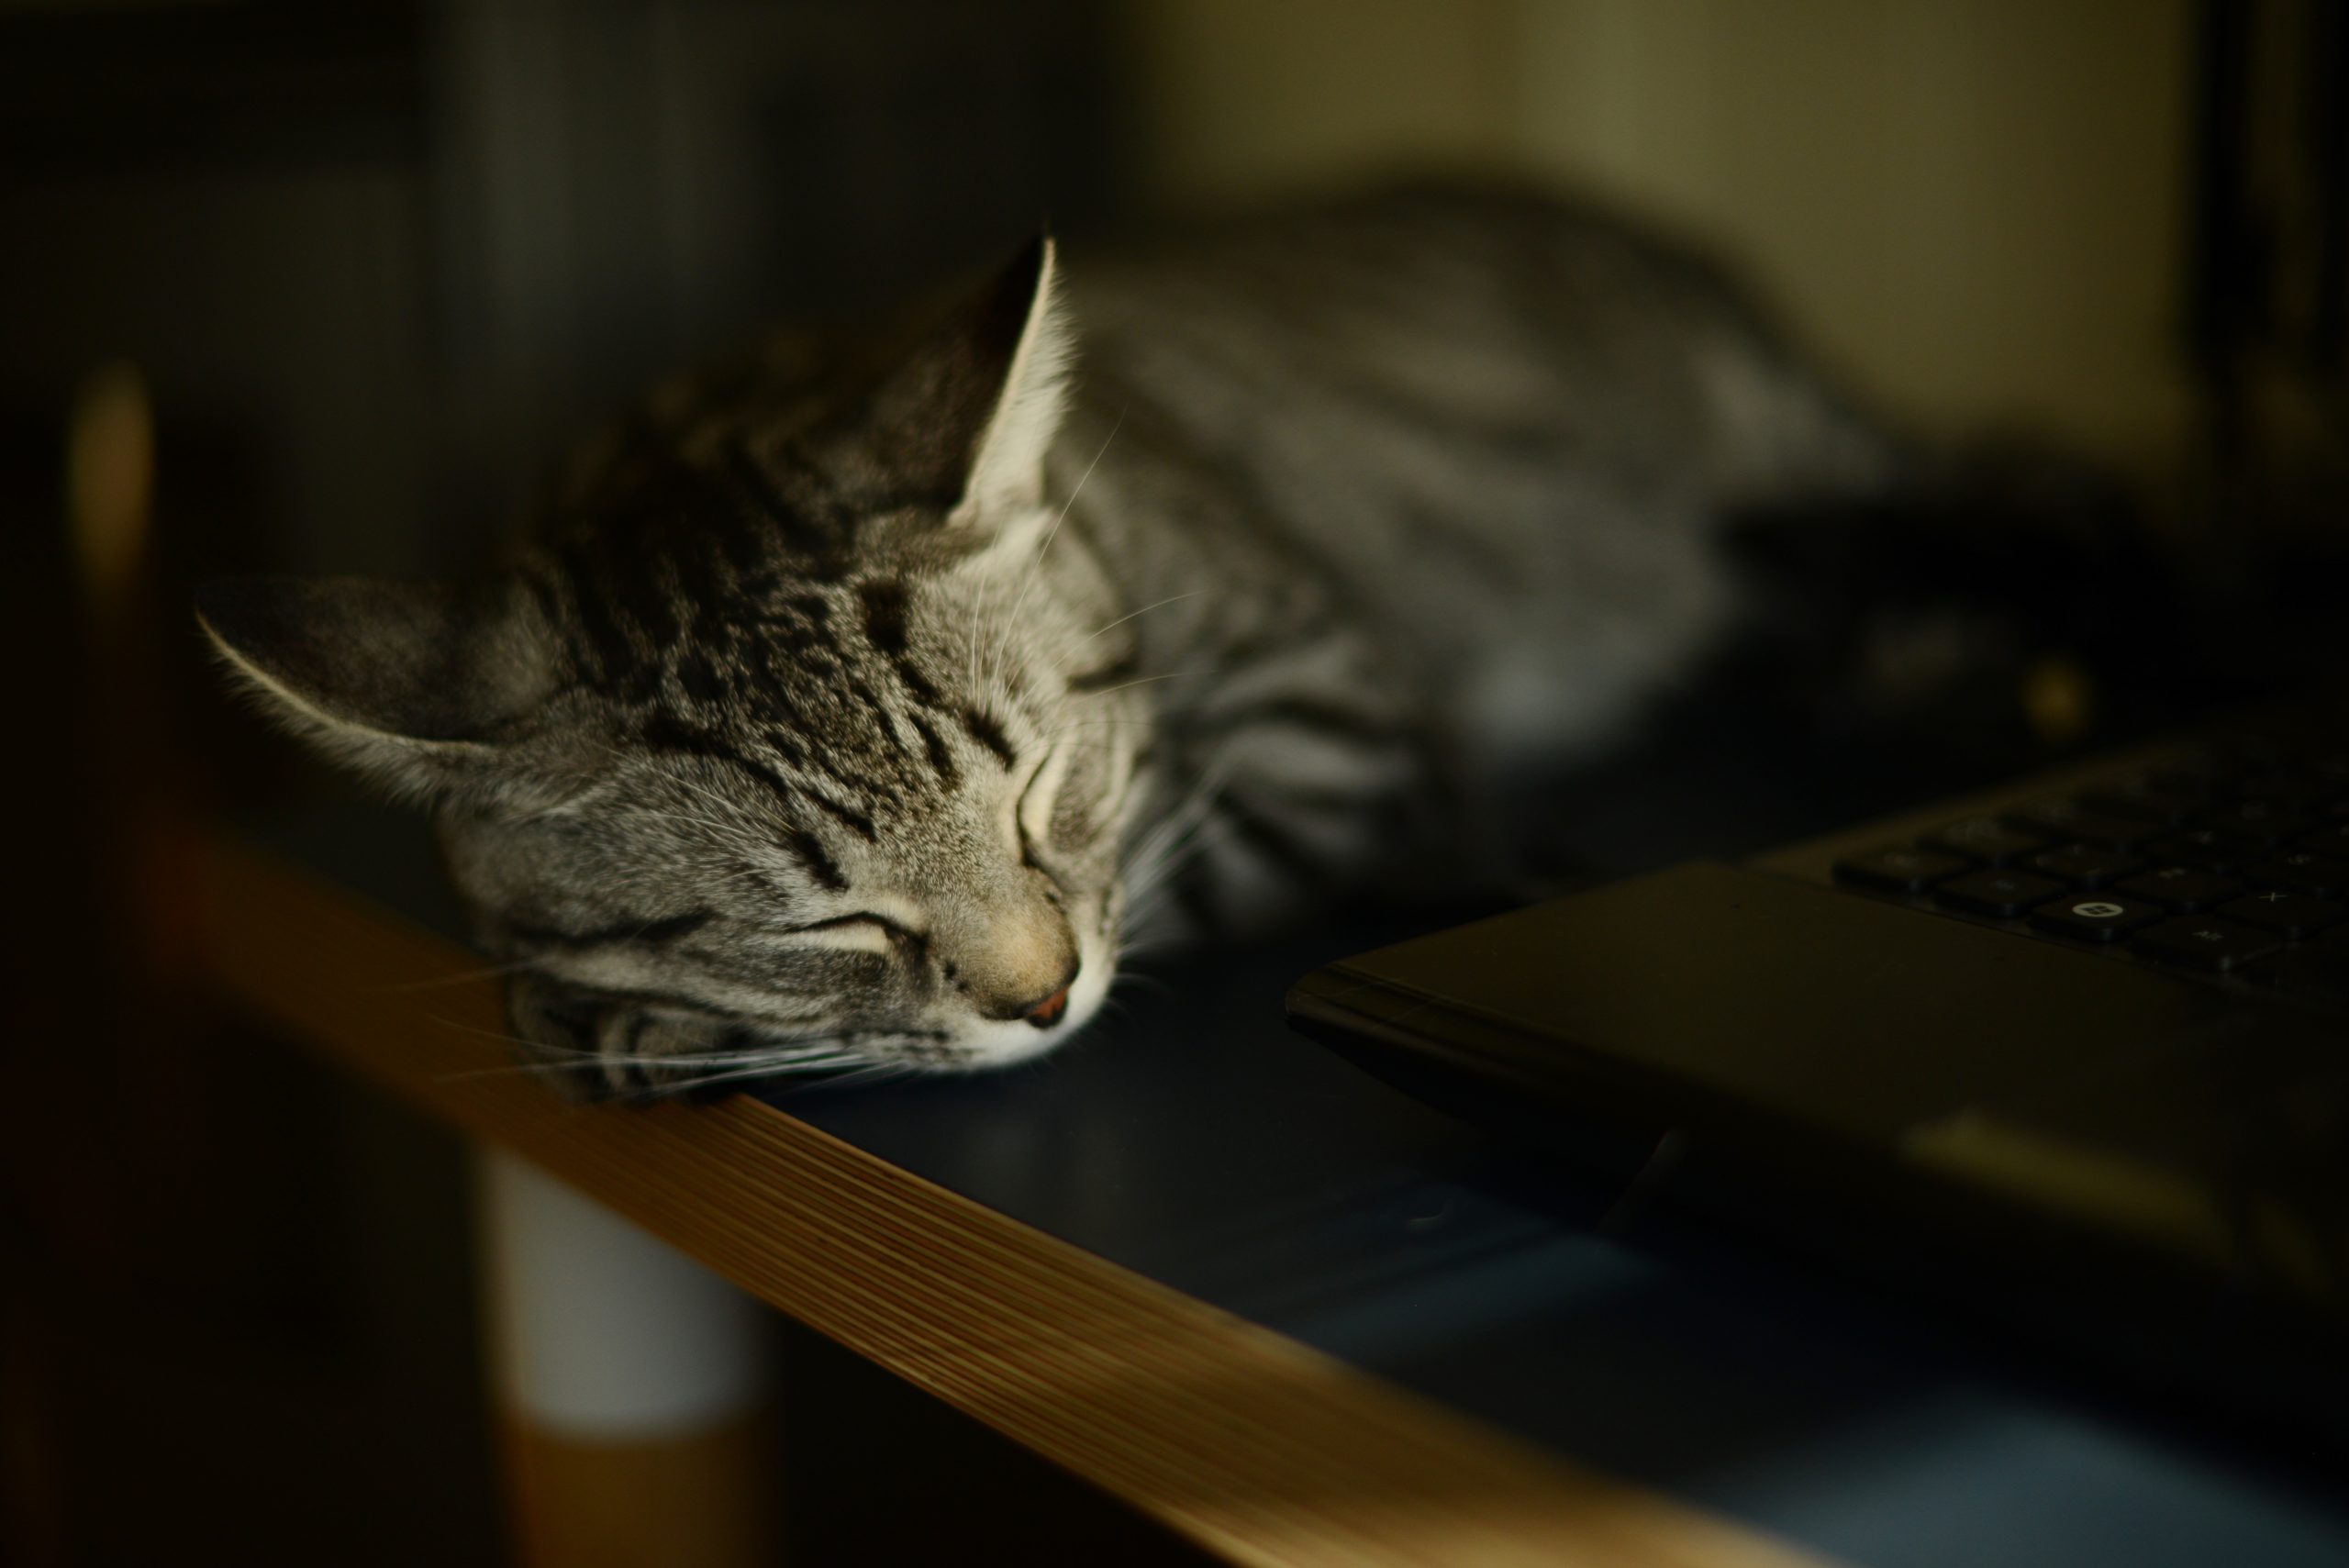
x=877, y=932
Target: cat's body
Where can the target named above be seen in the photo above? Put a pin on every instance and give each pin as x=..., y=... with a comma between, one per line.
x=832, y=719
x=1473, y=452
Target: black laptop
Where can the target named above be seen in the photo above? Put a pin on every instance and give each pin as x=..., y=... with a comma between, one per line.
x=2075, y=1051
x=2078, y=1050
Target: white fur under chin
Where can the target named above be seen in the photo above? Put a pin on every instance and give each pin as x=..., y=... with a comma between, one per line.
x=987, y=1046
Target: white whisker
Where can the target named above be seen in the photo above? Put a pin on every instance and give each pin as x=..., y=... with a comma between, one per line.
x=1113, y=626
x=871, y=1072
x=461, y=977
x=1145, y=681
x=1035, y=565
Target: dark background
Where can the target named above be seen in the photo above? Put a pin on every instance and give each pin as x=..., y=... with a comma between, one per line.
x=360, y=269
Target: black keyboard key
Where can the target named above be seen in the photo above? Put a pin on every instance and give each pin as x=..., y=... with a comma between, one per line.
x=2317, y=973
x=2205, y=942
x=2085, y=865
x=2293, y=789
x=2159, y=795
x=1987, y=840
x=2269, y=821
x=2256, y=750
x=2330, y=840
x=2205, y=848
x=2203, y=767
x=2103, y=918
x=2181, y=888
x=2068, y=819
x=1899, y=870
x=2292, y=915
x=2005, y=892
x=2299, y=871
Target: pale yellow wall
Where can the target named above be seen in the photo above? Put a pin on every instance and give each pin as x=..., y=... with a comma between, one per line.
x=1975, y=206
x=1241, y=97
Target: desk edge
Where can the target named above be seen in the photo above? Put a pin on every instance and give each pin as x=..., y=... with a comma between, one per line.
x=1255, y=1447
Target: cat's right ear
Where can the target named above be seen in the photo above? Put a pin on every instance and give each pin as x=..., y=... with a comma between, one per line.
x=426, y=686
x=1006, y=473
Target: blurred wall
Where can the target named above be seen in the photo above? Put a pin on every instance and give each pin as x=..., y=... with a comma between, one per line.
x=1975, y=207
x=387, y=258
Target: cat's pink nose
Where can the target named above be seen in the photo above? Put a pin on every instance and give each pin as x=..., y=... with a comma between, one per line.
x=1051, y=1009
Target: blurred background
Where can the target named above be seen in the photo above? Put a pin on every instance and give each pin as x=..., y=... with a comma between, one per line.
x=329, y=287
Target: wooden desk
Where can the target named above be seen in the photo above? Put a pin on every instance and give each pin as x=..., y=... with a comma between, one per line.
x=1285, y=1310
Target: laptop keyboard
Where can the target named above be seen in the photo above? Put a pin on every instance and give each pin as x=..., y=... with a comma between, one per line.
x=2230, y=861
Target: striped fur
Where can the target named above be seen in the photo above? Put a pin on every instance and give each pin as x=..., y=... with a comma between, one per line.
x=851, y=712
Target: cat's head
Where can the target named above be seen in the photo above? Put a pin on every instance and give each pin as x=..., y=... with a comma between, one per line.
x=789, y=747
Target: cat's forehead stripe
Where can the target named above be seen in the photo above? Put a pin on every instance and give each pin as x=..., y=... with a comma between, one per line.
x=987, y=731
x=941, y=761
x=604, y=643
x=797, y=530
x=651, y=932
x=885, y=603
x=855, y=821
x=885, y=615
x=885, y=723
x=666, y=732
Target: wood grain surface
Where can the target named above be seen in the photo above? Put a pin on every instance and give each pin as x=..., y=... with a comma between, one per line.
x=1261, y=1450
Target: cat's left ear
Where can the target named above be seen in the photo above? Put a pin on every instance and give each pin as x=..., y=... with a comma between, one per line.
x=424, y=686
x=1021, y=312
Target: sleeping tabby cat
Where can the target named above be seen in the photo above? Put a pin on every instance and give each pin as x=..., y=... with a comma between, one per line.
x=851, y=712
